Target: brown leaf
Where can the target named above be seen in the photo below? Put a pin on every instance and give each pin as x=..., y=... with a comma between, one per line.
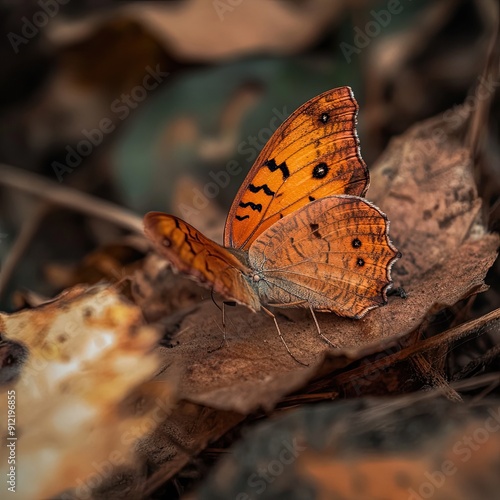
x=208, y=31
x=425, y=184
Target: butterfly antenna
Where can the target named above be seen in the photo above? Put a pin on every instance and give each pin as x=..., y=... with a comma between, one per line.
x=328, y=341
x=269, y=313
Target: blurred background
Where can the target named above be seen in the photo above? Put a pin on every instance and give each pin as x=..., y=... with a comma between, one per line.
x=165, y=105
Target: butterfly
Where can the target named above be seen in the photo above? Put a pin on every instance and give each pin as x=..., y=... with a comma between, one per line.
x=299, y=233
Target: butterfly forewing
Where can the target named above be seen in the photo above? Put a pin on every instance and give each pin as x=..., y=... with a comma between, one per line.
x=201, y=258
x=313, y=154
x=334, y=253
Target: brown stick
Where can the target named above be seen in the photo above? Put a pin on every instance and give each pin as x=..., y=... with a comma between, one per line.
x=68, y=197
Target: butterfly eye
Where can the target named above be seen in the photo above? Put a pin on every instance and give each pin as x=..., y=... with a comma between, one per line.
x=324, y=117
x=356, y=243
x=320, y=170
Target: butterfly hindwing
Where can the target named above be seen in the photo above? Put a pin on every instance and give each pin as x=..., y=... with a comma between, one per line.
x=191, y=253
x=334, y=253
x=313, y=154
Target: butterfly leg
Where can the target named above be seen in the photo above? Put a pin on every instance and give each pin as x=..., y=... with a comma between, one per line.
x=224, y=337
x=269, y=313
x=223, y=310
x=301, y=303
x=328, y=341
x=224, y=304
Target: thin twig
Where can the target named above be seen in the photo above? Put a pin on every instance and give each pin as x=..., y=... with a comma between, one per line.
x=68, y=197
x=21, y=244
x=474, y=327
x=478, y=125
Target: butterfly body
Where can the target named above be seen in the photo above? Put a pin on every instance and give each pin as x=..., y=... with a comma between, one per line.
x=298, y=233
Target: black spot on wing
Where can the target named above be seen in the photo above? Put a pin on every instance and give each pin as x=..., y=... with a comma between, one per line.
x=320, y=170
x=324, y=117
x=189, y=244
x=314, y=229
x=208, y=268
x=271, y=165
x=264, y=187
x=253, y=206
x=239, y=217
x=312, y=198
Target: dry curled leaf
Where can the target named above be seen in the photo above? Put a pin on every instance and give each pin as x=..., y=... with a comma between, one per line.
x=87, y=365
x=425, y=183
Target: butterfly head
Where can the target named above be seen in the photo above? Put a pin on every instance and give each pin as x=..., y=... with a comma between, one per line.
x=256, y=277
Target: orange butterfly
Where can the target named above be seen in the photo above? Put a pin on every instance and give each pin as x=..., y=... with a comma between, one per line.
x=297, y=234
